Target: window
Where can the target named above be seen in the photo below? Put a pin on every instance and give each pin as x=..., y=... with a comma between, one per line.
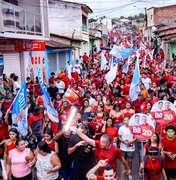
x=84, y=23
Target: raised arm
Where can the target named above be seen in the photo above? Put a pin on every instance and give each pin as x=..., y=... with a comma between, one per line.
x=83, y=136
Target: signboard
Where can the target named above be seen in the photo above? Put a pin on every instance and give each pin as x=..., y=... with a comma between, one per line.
x=15, y=45
x=141, y=126
x=163, y=112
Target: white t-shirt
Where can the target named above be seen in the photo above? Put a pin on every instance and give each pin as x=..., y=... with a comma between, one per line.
x=78, y=67
x=61, y=86
x=126, y=135
x=15, y=87
x=146, y=82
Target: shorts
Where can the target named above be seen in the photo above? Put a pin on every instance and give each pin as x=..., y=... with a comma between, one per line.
x=128, y=154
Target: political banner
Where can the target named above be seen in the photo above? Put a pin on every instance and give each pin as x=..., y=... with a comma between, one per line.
x=19, y=111
x=163, y=112
x=51, y=111
x=141, y=126
x=71, y=96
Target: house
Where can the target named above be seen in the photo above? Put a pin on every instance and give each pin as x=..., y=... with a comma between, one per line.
x=68, y=28
x=98, y=33
x=22, y=36
x=161, y=25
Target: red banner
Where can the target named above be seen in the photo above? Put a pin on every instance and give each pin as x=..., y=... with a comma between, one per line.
x=16, y=45
x=141, y=126
x=163, y=112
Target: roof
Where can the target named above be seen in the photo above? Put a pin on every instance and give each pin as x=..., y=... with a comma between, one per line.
x=55, y=44
x=66, y=37
x=161, y=7
x=84, y=6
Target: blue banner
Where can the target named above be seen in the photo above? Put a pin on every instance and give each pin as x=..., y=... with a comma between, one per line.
x=51, y=111
x=20, y=110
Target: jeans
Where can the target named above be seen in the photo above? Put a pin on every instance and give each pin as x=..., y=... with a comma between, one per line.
x=67, y=174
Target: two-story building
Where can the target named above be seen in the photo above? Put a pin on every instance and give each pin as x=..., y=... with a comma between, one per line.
x=23, y=33
x=98, y=33
x=69, y=33
x=161, y=25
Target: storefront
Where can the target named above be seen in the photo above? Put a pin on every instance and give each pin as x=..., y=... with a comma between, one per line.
x=23, y=57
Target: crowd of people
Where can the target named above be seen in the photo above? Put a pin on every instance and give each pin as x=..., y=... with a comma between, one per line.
x=99, y=133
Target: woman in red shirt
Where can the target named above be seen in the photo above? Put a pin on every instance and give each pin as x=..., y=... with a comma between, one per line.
x=116, y=115
x=10, y=143
x=153, y=166
x=108, y=128
x=128, y=111
x=48, y=138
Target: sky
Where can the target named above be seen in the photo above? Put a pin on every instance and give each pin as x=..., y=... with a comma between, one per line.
x=117, y=8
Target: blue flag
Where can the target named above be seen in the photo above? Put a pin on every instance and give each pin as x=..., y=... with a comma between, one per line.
x=125, y=52
x=135, y=83
x=103, y=60
x=120, y=52
x=51, y=111
x=20, y=110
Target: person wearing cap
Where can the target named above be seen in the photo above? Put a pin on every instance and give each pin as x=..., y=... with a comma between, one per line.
x=96, y=125
x=169, y=147
x=153, y=166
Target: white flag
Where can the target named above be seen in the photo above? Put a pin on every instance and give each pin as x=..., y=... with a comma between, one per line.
x=111, y=75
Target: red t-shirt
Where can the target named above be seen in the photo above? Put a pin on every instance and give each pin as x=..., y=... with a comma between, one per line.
x=85, y=58
x=112, y=132
x=153, y=167
x=170, y=146
x=97, y=126
x=100, y=178
x=111, y=154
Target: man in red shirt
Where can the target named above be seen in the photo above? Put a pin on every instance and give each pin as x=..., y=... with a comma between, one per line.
x=106, y=150
x=169, y=147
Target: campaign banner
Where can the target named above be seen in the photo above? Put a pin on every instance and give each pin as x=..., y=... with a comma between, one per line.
x=163, y=112
x=71, y=96
x=141, y=126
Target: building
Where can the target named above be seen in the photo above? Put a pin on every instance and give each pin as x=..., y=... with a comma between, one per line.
x=98, y=33
x=161, y=25
x=23, y=33
x=69, y=33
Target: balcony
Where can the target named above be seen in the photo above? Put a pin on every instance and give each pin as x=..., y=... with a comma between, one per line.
x=84, y=28
x=19, y=20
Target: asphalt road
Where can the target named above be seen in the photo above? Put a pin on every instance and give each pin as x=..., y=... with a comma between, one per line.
x=135, y=168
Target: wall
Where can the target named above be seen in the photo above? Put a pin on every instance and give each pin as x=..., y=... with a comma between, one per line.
x=64, y=18
x=150, y=17
x=31, y=5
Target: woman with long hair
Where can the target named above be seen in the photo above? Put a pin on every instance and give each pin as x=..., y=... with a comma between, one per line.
x=49, y=139
x=108, y=128
x=117, y=115
x=154, y=141
x=47, y=163
x=10, y=143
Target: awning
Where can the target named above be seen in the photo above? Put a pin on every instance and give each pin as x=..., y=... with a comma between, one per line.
x=55, y=44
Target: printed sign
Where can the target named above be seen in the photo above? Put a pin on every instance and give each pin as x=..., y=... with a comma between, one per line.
x=141, y=126
x=163, y=112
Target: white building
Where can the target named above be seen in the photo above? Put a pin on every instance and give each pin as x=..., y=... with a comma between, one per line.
x=22, y=36
x=70, y=20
